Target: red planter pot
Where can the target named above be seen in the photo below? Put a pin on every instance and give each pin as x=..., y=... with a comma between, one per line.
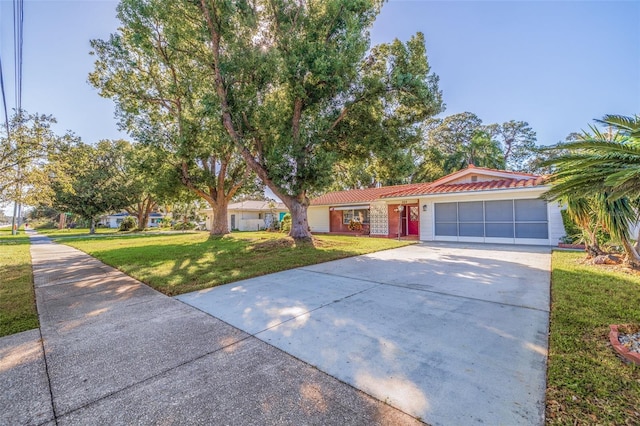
x=572, y=246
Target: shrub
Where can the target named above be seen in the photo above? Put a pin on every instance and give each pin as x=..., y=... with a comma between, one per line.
x=43, y=224
x=354, y=225
x=285, y=224
x=574, y=233
x=128, y=223
x=184, y=226
x=165, y=222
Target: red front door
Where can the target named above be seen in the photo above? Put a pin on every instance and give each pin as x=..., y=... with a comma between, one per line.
x=413, y=214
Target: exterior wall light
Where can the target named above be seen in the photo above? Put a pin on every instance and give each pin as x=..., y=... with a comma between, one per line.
x=424, y=207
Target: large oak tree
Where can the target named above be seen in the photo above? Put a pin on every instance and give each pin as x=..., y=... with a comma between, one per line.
x=87, y=180
x=162, y=94
x=298, y=88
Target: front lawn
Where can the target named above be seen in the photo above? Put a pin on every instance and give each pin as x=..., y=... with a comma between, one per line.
x=17, y=299
x=54, y=232
x=587, y=383
x=180, y=263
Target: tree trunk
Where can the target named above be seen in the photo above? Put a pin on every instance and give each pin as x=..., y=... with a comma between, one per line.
x=299, y=224
x=143, y=218
x=220, y=226
x=143, y=214
x=92, y=229
x=633, y=259
x=591, y=245
x=593, y=250
x=142, y=210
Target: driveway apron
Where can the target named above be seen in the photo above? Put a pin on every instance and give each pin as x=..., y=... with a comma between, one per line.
x=114, y=351
x=448, y=333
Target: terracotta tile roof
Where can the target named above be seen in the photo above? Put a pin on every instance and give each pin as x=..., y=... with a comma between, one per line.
x=440, y=186
x=471, y=166
x=354, y=196
x=434, y=188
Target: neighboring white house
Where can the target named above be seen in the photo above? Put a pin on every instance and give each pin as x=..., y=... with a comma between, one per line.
x=114, y=220
x=250, y=215
x=472, y=205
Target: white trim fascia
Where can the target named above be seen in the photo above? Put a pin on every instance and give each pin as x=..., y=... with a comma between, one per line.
x=481, y=172
x=349, y=207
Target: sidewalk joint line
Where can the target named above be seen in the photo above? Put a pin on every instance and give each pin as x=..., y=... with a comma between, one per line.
x=46, y=371
x=428, y=291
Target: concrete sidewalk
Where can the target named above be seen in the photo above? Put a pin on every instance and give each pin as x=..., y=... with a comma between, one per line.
x=111, y=350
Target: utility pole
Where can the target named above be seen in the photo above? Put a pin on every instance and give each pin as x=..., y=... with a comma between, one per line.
x=14, y=228
x=15, y=222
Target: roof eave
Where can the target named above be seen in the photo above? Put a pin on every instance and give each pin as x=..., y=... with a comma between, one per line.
x=536, y=188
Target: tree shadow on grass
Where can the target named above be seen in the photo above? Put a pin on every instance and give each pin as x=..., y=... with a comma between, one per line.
x=184, y=267
x=14, y=241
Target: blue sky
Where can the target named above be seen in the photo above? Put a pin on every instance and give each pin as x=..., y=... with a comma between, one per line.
x=556, y=65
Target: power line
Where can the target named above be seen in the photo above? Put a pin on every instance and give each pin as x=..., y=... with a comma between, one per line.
x=4, y=97
x=18, y=32
x=18, y=24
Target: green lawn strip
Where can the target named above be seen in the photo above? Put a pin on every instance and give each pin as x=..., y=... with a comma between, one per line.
x=73, y=232
x=17, y=298
x=587, y=383
x=180, y=263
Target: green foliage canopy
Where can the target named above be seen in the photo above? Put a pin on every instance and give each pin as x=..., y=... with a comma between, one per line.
x=298, y=90
x=603, y=167
x=154, y=69
x=88, y=179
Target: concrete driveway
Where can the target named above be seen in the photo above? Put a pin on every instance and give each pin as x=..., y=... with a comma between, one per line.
x=449, y=333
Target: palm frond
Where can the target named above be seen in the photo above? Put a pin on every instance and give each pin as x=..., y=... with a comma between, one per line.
x=616, y=215
x=629, y=125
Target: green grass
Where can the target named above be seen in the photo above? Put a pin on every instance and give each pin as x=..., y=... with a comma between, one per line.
x=75, y=232
x=587, y=383
x=180, y=263
x=17, y=299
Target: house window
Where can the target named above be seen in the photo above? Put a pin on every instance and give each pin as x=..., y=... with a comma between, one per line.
x=359, y=215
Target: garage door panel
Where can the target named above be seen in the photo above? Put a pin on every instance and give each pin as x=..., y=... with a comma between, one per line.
x=532, y=230
x=499, y=230
x=470, y=212
x=471, y=229
x=447, y=229
x=499, y=211
x=530, y=210
x=446, y=212
x=504, y=219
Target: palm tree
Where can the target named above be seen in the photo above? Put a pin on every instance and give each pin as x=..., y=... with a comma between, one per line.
x=604, y=167
x=583, y=211
x=481, y=151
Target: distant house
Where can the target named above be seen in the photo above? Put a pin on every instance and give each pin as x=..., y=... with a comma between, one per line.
x=114, y=220
x=250, y=215
x=472, y=205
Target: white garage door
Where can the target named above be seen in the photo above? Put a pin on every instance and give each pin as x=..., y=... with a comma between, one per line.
x=493, y=221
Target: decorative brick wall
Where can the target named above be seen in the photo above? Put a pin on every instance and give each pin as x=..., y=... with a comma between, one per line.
x=337, y=225
x=379, y=219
